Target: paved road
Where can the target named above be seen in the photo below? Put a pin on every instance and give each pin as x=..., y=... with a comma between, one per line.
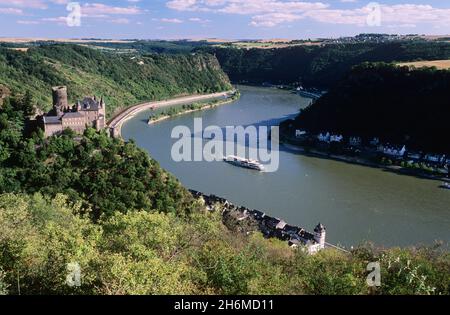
x=115, y=124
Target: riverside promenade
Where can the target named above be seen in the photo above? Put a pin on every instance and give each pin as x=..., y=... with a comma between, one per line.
x=115, y=124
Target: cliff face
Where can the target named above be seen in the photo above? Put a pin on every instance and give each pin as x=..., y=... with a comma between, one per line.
x=122, y=79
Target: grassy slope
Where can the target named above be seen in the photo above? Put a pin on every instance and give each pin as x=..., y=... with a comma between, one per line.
x=439, y=64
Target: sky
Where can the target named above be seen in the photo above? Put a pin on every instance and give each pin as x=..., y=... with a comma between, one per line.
x=224, y=19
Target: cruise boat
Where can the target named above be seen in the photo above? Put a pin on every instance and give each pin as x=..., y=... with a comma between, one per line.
x=246, y=163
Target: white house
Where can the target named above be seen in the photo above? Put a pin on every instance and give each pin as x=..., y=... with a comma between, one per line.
x=355, y=141
x=394, y=152
x=299, y=133
x=324, y=138
x=336, y=138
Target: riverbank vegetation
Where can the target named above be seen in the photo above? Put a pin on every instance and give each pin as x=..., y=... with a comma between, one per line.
x=122, y=79
x=398, y=105
x=187, y=108
x=106, y=207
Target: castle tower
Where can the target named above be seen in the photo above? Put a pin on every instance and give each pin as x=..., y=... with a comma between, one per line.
x=320, y=234
x=60, y=102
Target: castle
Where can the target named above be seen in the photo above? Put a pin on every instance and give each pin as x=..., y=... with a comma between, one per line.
x=90, y=112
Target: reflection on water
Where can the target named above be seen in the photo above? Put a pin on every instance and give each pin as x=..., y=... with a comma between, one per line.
x=355, y=203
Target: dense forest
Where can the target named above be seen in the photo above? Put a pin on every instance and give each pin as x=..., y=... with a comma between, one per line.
x=126, y=45
x=396, y=104
x=102, y=173
x=106, y=207
x=122, y=79
x=318, y=66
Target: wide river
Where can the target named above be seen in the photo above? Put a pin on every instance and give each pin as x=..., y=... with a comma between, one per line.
x=355, y=203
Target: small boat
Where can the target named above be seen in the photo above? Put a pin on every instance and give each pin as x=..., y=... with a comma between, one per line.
x=245, y=163
x=445, y=185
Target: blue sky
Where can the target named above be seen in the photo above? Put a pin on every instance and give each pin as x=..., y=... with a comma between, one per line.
x=231, y=19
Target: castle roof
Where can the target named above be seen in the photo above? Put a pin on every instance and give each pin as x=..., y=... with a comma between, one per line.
x=90, y=104
x=52, y=120
x=73, y=115
x=319, y=228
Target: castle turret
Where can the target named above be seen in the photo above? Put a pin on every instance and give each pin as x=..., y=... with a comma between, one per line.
x=320, y=234
x=60, y=102
x=102, y=107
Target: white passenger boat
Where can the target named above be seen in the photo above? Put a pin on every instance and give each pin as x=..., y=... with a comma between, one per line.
x=246, y=163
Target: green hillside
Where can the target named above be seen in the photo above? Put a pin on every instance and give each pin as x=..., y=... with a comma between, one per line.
x=122, y=79
x=132, y=228
x=396, y=104
x=318, y=66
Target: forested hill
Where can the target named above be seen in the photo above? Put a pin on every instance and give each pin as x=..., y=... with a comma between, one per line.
x=394, y=103
x=103, y=205
x=318, y=66
x=122, y=79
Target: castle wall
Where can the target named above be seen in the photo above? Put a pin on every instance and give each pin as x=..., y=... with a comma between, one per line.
x=78, y=125
x=51, y=129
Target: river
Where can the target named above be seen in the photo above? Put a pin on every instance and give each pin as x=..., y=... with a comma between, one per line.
x=355, y=203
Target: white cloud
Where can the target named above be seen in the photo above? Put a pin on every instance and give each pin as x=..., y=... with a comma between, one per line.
x=270, y=13
x=199, y=20
x=62, y=20
x=96, y=9
x=166, y=20
x=266, y=13
x=14, y=11
x=120, y=21
x=273, y=19
x=400, y=14
x=27, y=22
x=35, y=4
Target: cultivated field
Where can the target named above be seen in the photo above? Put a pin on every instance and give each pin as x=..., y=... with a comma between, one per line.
x=439, y=64
x=269, y=44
